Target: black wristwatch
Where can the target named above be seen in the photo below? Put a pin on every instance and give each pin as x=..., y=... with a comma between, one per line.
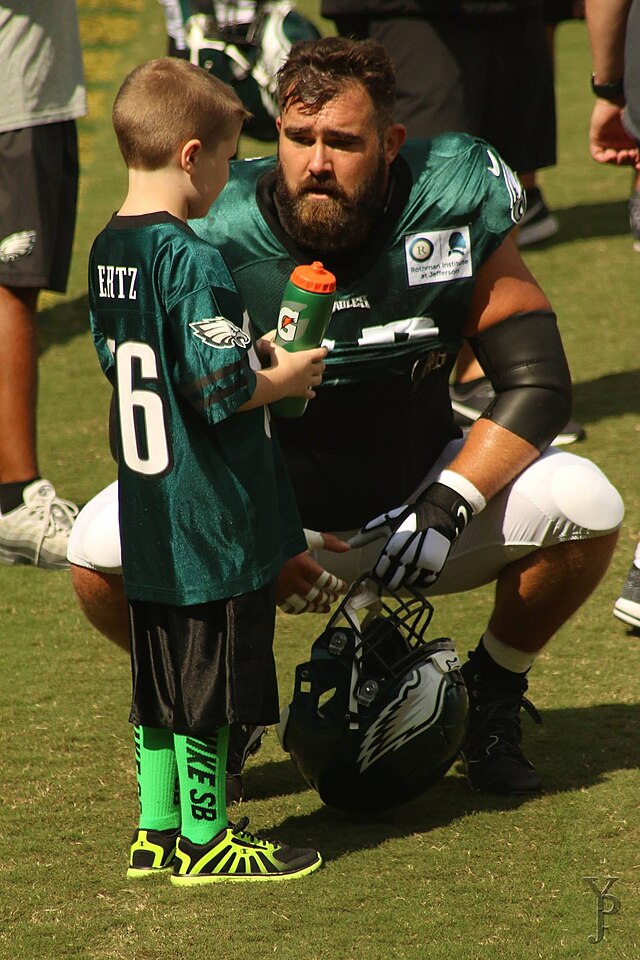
x=607, y=91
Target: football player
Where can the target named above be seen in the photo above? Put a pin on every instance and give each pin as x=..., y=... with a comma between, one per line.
x=418, y=235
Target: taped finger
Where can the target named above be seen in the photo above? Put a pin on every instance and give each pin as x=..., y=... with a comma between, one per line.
x=327, y=581
x=315, y=540
x=318, y=607
x=294, y=604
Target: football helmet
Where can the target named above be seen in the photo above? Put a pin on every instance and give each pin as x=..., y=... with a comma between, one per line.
x=242, y=42
x=379, y=713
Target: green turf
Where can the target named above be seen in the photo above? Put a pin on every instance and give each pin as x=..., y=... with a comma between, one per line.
x=452, y=875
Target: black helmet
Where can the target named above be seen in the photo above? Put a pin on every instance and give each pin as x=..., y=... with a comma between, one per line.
x=378, y=713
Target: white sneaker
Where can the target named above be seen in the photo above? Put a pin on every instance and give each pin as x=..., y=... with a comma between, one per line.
x=38, y=531
x=627, y=606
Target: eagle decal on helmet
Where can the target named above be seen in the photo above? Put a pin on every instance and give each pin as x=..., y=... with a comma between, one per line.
x=408, y=714
x=220, y=333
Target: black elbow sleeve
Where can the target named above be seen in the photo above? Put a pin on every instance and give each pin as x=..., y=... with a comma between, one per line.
x=524, y=359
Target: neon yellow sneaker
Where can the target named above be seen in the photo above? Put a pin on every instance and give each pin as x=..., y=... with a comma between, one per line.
x=238, y=856
x=152, y=852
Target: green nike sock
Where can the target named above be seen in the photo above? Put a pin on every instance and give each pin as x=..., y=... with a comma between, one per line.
x=202, y=770
x=157, y=779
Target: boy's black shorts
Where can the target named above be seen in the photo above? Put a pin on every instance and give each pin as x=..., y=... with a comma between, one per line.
x=38, y=198
x=197, y=668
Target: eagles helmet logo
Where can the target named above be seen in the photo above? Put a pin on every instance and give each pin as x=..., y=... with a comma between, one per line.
x=405, y=717
x=17, y=245
x=220, y=333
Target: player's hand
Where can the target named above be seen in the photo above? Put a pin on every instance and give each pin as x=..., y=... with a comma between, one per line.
x=419, y=536
x=306, y=587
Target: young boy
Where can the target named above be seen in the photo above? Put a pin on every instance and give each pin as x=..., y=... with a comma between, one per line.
x=207, y=516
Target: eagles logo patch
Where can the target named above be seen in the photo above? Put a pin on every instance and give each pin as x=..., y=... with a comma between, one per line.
x=17, y=245
x=220, y=333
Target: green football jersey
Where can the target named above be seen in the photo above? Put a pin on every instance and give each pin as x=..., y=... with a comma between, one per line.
x=408, y=290
x=206, y=509
x=382, y=414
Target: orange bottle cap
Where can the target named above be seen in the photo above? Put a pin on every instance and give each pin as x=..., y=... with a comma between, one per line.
x=314, y=278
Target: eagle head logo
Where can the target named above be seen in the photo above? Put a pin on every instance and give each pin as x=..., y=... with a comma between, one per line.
x=220, y=333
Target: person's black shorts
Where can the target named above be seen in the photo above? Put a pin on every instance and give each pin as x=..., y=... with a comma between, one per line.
x=197, y=668
x=491, y=76
x=38, y=197
x=555, y=11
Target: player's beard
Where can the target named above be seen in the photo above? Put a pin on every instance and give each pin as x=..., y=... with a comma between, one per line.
x=337, y=223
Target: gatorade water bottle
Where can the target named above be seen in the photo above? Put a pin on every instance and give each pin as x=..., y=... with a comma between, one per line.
x=303, y=319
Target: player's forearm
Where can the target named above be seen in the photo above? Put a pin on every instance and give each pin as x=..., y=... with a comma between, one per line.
x=606, y=23
x=492, y=457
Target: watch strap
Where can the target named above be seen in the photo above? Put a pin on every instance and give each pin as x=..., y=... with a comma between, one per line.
x=607, y=91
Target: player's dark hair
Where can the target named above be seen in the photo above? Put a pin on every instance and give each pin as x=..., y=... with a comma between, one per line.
x=316, y=71
x=166, y=102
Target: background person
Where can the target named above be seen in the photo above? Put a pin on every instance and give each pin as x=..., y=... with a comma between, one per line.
x=614, y=138
x=243, y=43
x=43, y=94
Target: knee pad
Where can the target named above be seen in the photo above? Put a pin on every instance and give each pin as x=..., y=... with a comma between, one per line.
x=585, y=496
x=95, y=536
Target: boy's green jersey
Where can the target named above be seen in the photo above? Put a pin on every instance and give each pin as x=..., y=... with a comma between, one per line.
x=206, y=509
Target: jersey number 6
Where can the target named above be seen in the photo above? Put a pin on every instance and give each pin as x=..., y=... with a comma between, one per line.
x=143, y=432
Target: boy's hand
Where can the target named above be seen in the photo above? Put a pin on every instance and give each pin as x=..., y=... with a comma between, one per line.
x=306, y=587
x=285, y=374
x=264, y=348
x=298, y=373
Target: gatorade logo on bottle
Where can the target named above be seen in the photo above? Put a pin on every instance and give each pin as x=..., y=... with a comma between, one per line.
x=288, y=323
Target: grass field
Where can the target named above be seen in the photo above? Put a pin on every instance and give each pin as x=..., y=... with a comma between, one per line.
x=452, y=875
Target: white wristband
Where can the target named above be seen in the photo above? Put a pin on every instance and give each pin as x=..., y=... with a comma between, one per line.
x=464, y=487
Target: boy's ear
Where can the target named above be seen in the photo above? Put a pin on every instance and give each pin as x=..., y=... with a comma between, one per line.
x=188, y=154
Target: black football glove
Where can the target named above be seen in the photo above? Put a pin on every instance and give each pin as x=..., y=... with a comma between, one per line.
x=419, y=536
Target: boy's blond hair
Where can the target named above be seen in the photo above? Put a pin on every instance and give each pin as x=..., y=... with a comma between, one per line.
x=166, y=102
